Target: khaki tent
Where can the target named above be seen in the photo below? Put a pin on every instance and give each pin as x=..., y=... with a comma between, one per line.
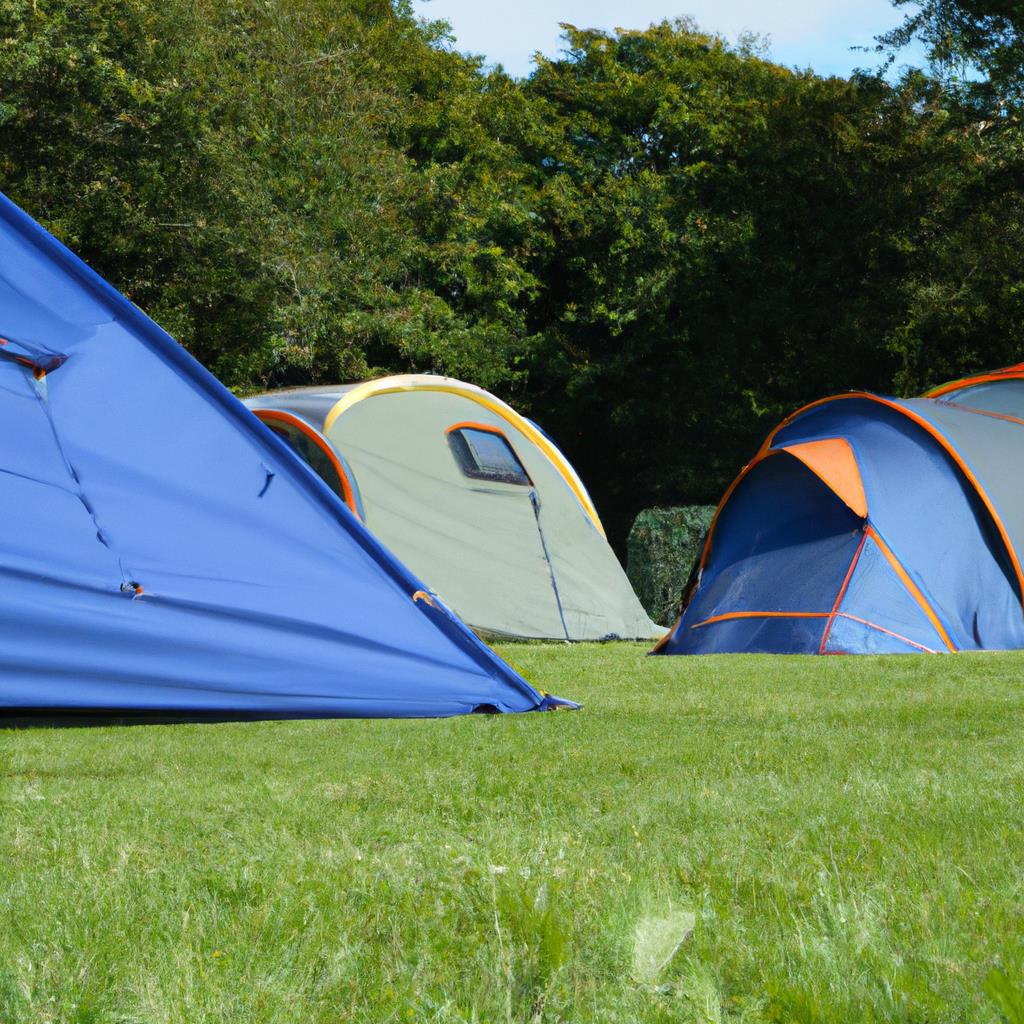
x=472, y=497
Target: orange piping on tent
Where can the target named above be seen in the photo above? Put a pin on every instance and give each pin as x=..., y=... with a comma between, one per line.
x=759, y=615
x=486, y=427
x=911, y=586
x=321, y=442
x=921, y=422
x=1008, y=373
x=813, y=615
x=842, y=591
x=887, y=632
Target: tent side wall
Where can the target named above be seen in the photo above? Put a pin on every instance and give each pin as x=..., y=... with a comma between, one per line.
x=184, y=561
x=484, y=545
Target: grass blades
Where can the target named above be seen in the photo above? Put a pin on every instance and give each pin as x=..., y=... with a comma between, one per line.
x=709, y=839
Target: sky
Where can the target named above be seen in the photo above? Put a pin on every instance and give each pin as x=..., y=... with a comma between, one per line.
x=802, y=33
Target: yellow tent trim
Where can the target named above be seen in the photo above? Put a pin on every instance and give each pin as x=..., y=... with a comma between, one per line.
x=447, y=385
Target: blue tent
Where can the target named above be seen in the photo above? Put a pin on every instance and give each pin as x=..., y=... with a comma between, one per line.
x=164, y=553
x=871, y=525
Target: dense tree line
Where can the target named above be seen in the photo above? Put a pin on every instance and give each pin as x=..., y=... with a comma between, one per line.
x=657, y=245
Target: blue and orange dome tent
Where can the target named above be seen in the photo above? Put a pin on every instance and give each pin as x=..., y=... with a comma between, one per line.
x=867, y=524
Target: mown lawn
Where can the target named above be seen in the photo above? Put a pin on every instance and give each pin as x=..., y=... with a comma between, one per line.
x=826, y=839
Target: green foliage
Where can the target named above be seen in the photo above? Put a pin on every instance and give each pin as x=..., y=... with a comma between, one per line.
x=975, y=46
x=662, y=549
x=962, y=294
x=247, y=174
x=658, y=245
x=821, y=840
x=735, y=239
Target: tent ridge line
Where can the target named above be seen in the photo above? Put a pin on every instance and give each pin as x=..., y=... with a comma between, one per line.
x=979, y=412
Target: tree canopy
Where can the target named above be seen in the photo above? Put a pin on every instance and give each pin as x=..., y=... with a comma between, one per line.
x=657, y=245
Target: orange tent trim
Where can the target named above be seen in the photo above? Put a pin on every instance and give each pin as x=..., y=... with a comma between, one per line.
x=276, y=415
x=1007, y=373
x=887, y=632
x=485, y=427
x=911, y=586
x=833, y=461
x=842, y=592
x=759, y=615
x=813, y=615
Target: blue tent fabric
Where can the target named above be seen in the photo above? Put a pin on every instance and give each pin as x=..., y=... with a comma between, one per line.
x=162, y=551
x=875, y=585
x=934, y=564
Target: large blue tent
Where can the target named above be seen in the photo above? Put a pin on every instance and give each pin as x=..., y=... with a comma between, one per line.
x=869, y=525
x=163, y=553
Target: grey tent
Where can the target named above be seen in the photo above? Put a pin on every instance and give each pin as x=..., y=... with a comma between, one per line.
x=472, y=496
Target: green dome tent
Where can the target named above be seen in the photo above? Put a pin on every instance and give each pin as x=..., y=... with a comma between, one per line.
x=472, y=496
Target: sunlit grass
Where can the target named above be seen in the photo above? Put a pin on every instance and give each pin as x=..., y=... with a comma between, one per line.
x=819, y=839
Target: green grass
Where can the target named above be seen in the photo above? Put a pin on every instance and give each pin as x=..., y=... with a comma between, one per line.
x=825, y=839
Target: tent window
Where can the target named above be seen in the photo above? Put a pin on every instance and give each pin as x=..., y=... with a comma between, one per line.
x=483, y=453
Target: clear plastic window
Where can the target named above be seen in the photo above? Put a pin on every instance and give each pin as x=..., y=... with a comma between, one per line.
x=487, y=455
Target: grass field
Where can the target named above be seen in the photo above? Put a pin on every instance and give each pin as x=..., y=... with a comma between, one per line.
x=709, y=839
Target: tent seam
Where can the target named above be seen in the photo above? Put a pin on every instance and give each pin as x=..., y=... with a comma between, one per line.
x=842, y=591
x=912, y=587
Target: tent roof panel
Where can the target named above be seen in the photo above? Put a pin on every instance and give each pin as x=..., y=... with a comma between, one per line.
x=196, y=565
x=998, y=397
x=1007, y=373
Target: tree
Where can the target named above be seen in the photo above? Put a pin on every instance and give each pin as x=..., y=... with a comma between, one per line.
x=723, y=251
x=262, y=180
x=976, y=46
x=964, y=292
